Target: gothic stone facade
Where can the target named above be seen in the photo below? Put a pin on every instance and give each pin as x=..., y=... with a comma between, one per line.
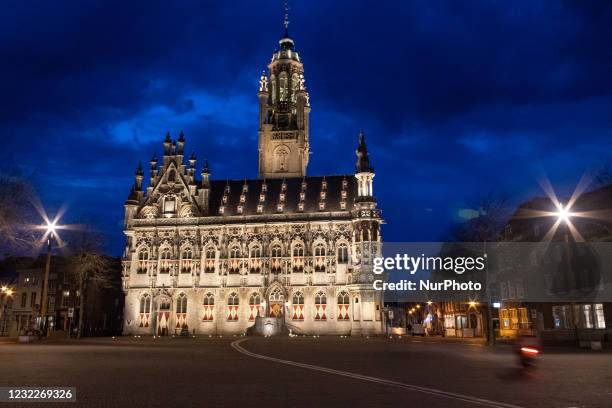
x=210, y=256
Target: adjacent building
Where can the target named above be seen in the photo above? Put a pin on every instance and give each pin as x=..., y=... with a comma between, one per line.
x=21, y=310
x=575, y=265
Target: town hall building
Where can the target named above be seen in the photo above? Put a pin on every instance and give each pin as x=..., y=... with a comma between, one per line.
x=213, y=256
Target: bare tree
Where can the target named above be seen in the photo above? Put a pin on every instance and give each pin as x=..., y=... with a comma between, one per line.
x=89, y=268
x=16, y=212
x=493, y=214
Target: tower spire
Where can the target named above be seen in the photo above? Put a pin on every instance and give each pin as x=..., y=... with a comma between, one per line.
x=286, y=20
x=363, y=160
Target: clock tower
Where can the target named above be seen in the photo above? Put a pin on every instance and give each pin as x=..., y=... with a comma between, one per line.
x=284, y=108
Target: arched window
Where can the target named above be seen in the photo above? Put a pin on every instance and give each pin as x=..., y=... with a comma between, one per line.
x=319, y=261
x=255, y=251
x=298, y=298
x=342, y=252
x=165, y=257
x=276, y=253
x=298, y=250
x=277, y=295
x=145, y=310
x=298, y=258
x=166, y=254
x=209, y=261
x=181, y=311
x=255, y=261
x=233, y=299
x=145, y=303
x=343, y=306
x=297, y=306
x=209, y=305
x=209, y=299
x=232, y=306
x=255, y=299
x=283, y=87
x=234, y=261
x=164, y=304
x=254, y=306
x=181, y=304
x=320, y=306
x=235, y=252
x=143, y=257
x=343, y=298
x=186, y=260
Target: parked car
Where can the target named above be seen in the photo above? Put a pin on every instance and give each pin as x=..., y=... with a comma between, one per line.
x=418, y=330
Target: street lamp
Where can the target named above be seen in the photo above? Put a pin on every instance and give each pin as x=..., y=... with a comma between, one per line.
x=7, y=293
x=50, y=229
x=563, y=213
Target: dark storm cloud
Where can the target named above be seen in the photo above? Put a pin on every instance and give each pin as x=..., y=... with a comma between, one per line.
x=456, y=98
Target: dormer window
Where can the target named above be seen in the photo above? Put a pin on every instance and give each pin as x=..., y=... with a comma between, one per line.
x=279, y=207
x=240, y=208
x=242, y=198
x=264, y=188
x=321, y=205
x=323, y=194
x=227, y=189
x=259, y=209
x=282, y=196
x=283, y=186
x=171, y=176
x=303, y=185
x=343, y=205
x=221, y=210
x=344, y=184
x=245, y=188
x=301, y=207
x=343, y=193
x=302, y=196
x=224, y=199
x=262, y=197
x=324, y=185
x=169, y=205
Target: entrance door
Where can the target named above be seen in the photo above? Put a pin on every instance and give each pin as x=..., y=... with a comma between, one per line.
x=276, y=302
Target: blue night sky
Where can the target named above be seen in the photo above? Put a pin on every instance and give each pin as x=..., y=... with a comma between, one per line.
x=457, y=99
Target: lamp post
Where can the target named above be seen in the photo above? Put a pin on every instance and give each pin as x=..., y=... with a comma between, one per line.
x=50, y=229
x=6, y=293
x=563, y=216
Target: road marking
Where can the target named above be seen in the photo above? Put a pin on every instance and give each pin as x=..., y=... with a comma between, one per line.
x=432, y=391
